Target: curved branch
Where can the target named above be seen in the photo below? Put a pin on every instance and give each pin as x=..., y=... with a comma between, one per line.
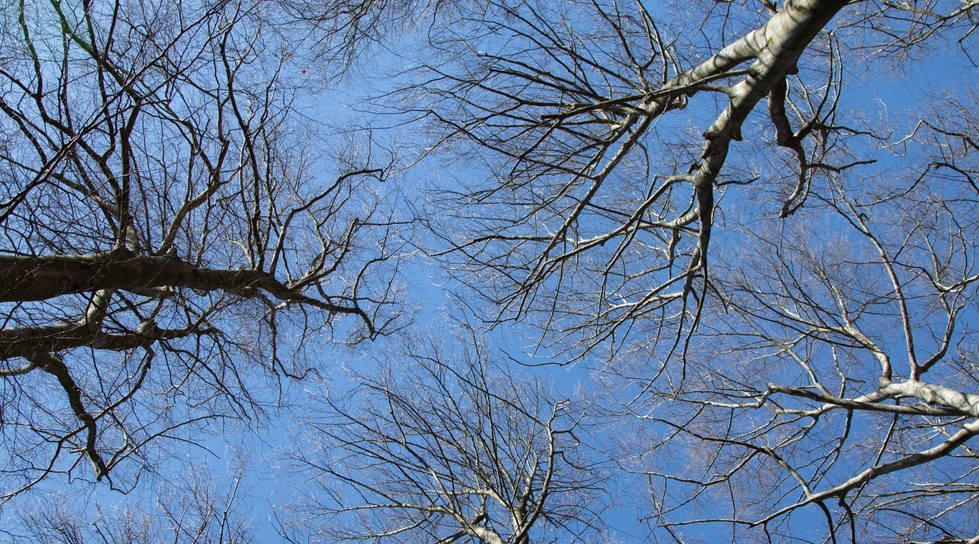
x=54, y=365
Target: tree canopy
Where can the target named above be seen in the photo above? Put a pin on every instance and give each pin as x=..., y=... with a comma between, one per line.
x=162, y=221
x=746, y=229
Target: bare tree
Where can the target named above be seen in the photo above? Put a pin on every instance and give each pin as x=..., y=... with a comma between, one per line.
x=822, y=366
x=606, y=136
x=190, y=508
x=445, y=445
x=842, y=367
x=165, y=219
x=591, y=213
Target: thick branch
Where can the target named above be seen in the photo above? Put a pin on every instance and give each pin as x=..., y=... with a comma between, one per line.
x=28, y=342
x=28, y=278
x=966, y=403
x=908, y=461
